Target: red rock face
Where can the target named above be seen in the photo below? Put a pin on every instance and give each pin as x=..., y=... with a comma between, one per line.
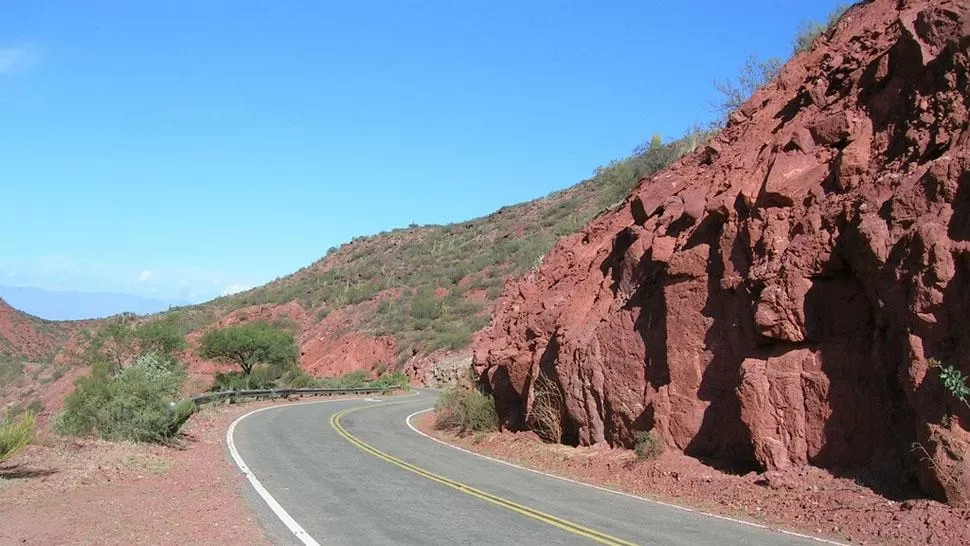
x=771, y=300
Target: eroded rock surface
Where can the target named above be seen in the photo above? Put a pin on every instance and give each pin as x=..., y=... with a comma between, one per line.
x=772, y=300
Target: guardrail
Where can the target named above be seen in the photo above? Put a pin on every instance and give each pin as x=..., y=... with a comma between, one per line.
x=209, y=397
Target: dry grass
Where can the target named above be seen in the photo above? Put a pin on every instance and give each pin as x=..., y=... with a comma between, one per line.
x=545, y=416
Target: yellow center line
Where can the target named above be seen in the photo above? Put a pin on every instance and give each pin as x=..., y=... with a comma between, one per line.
x=560, y=523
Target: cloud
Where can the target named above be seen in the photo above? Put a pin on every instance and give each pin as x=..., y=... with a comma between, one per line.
x=12, y=58
x=234, y=289
x=144, y=276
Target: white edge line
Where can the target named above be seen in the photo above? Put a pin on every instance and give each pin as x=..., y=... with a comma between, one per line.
x=614, y=491
x=270, y=501
x=275, y=506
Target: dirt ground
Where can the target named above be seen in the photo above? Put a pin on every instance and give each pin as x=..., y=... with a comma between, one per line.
x=811, y=501
x=71, y=491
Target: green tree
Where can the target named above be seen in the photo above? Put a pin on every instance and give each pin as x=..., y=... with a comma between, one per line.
x=163, y=336
x=122, y=339
x=249, y=344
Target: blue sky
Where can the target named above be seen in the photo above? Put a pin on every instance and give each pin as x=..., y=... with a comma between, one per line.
x=186, y=149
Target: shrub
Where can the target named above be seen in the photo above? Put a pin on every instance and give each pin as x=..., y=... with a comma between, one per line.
x=953, y=381
x=465, y=411
x=646, y=445
x=754, y=75
x=299, y=379
x=15, y=435
x=808, y=31
x=132, y=404
x=350, y=380
x=238, y=381
x=545, y=415
x=390, y=381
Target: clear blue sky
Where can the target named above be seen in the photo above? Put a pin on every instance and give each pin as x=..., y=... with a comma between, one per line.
x=181, y=149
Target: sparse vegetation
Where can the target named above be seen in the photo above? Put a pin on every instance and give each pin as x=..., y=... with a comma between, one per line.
x=436, y=281
x=11, y=370
x=646, y=445
x=465, y=410
x=15, y=434
x=808, y=31
x=753, y=76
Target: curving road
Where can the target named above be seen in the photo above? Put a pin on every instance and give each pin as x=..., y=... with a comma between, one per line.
x=354, y=472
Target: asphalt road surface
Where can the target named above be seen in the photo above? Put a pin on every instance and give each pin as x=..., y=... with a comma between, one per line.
x=354, y=472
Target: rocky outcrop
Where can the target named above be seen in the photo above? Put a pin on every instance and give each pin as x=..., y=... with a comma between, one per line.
x=772, y=300
x=441, y=369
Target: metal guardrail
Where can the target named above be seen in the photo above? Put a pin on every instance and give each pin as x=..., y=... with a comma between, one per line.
x=210, y=397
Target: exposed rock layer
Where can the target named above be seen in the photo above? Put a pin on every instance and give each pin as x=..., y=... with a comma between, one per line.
x=772, y=300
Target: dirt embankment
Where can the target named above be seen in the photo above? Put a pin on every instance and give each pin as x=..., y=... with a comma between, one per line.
x=772, y=301
x=810, y=501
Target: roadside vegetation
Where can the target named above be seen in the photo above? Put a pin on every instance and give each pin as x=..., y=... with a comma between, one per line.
x=299, y=379
x=465, y=411
x=132, y=391
x=647, y=445
x=16, y=433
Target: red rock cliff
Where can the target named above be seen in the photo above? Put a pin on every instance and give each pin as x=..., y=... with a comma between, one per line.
x=772, y=299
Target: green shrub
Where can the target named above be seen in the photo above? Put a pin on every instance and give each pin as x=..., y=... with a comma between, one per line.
x=132, y=404
x=299, y=379
x=465, y=410
x=390, y=381
x=16, y=435
x=808, y=31
x=350, y=380
x=646, y=445
x=953, y=381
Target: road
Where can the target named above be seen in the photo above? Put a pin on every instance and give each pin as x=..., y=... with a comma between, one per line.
x=354, y=472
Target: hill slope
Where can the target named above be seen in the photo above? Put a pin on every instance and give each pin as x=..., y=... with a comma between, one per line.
x=28, y=337
x=29, y=349
x=413, y=296
x=773, y=300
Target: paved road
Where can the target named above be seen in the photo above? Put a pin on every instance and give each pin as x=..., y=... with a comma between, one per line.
x=353, y=472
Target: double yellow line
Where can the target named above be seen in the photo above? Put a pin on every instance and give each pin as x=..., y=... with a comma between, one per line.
x=560, y=523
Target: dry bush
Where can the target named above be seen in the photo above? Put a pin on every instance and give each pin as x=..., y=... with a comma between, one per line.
x=546, y=414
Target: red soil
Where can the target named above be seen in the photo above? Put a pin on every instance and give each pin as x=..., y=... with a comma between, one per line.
x=810, y=500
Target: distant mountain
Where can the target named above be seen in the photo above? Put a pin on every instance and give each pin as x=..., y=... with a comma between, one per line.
x=71, y=305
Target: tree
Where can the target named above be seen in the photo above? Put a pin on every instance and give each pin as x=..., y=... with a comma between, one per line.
x=247, y=345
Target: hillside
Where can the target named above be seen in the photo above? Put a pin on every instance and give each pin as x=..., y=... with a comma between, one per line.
x=29, y=349
x=778, y=298
x=408, y=298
